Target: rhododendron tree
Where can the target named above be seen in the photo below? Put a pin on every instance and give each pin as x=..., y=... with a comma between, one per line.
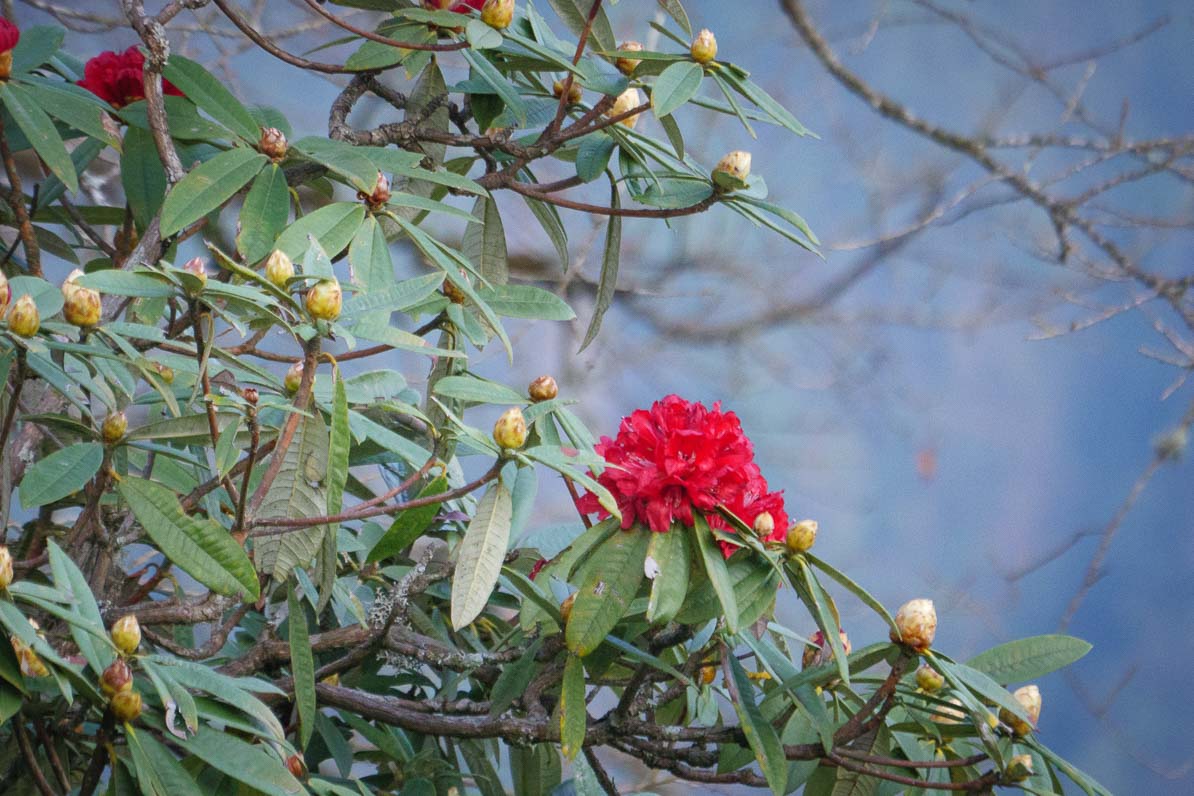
x=243, y=554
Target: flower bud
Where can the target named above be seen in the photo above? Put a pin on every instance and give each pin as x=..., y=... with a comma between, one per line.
x=24, y=319
x=324, y=300
x=296, y=766
x=165, y=372
x=820, y=651
x=198, y=269
x=801, y=537
x=929, y=679
x=764, y=524
x=1029, y=698
x=704, y=47
x=5, y=567
x=566, y=607
x=954, y=714
x=574, y=91
x=379, y=195
x=454, y=293
x=273, y=143
x=735, y=165
x=543, y=388
x=5, y=293
x=917, y=624
x=510, y=430
x=116, y=678
x=126, y=634
x=250, y=395
x=627, y=101
x=28, y=661
x=625, y=64
x=1019, y=768
x=81, y=306
x=498, y=13
x=114, y=427
x=708, y=674
x=293, y=378
x=5, y=64
x=126, y=705
x=279, y=268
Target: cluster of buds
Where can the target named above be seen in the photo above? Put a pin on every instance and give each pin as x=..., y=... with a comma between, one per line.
x=801, y=537
x=293, y=378
x=704, y=47
x=732, y=170
x=627, y=101
x=279, y=268
x=24, y=319
x=917, y=624
x=1029, y=698
x=376, y=199
x=543, y=388
x=498, y=13
x=273, y=143
x=928, y=679
x=325, y=299
x=197, y=268
x=820, y=651
x=9, y=36
x=574, y=91
x=5, y=567
x=114, y=427
x=117, y=680
x=510, y=430
x=625, y=63
x=81, y=306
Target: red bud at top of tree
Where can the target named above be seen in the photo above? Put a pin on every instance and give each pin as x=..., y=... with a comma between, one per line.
x=917, y=624
x=543, y=388
x=625, y=64
x=126, y=705
x=279, y=268
x=114, y=427
x=24, y=320
x=627, y=101
x=116, y=678
x=324, y=300
x=273, y=143
x=117, y=78
x=5, y=567
x=704, y=47
x=126, y=634
x=510, y=430
x=498, y=13
x=293, y=378
x=198, y=268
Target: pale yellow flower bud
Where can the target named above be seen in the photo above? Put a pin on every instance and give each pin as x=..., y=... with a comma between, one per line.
x=1029, y=698
x=197, y=268
x=764, y=524
x=325, y=299
x=574, y=91
x=704, y=47
x=279, y=268
x=735, y=166
x=498, y=13
x=24, y=320
x=273, y=143
x=510, y=430
x=293, y=378
x=5, y=567
x=626, y=64
x=114, y=427
x=116, y=678
x=929, y=679
x=81, y=306
x=126, y=634
x=126, y=705
x=627, y=101
x=1019, y=768
x=802, y=536
x=917, y=623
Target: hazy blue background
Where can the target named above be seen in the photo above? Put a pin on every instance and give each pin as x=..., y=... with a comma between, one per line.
x=928, y=356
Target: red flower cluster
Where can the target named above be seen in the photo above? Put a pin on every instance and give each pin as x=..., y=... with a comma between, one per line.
x=9, y=35
x=679, y=456
x=117, y=77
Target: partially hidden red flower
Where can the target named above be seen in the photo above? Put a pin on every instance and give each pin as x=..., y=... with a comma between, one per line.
x=117, y=77
x=10, y=34
x=679, y=456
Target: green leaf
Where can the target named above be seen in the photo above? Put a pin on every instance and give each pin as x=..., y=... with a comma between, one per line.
x=575, y=14
x=982, y=685
x=154, y=759
x=857, y=590
x=481, y=36
x=671, y=554
x=210, y=94
x=143, y=284
x=766, y=103
x=38, y=44
x=264, y=214
x=372, y=266
x=574, y=713
x=607, y=285
x=470, y=388
x=142, y=175
x=514, y=679
x=526, y=301
x=485, y=242
x=549, y=218
x=609, y=581
x=60, y=474
x=675, y=86
x=403, y=295
x=39, y=129
x=247, y=763
x=592, y=156
x=761, y=736
x=676, y=12
x=342, y=158
x=332, y=225
x=479, y=562
x=70, y=579
x=200, y=546
x=339, y=442
x=298, y=491
x=715, y=567
x=302, y=665
x=819, y=605
x=77, y=107
x=1029, y=658
x=209, y=186
x=489, y=73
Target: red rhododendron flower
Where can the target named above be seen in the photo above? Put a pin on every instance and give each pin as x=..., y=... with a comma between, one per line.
x=117, y=77
x=9, y=35
x=679, y=456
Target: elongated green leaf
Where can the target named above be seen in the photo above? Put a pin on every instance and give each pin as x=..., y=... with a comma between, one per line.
x=406, y=293
x=609, y=581
x=77, y=107
x=200, y=546
x=489, y=73
x=1029, y=658
x=299, y=491
x=671, y=557
x=479, y=561
x=69, y=578
x=485, y=242
x=761, y=736
x=166, y=770
x=766, y=103
x=858, y=591
x=677, y=12
x=819, y=605
x=981, y=684
x=410, y=524
x=302, y=665
x=143, y=284
x=37, y=45
x=332, y=225
x=470, y=388
x=575, y=14
x=264, y=214
x=209, y=186
x=369, y=256
x=608, y=283
x=247, y=763
x=342, y=158
x=715, y=569
x=675, y=86
x=592, y=157
x=39, y=129
x=61, y=473
x=210, y=94
x=549, y=218
x=526, y=301
x=514, y=679
x=142, y=175
x=574, y=714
